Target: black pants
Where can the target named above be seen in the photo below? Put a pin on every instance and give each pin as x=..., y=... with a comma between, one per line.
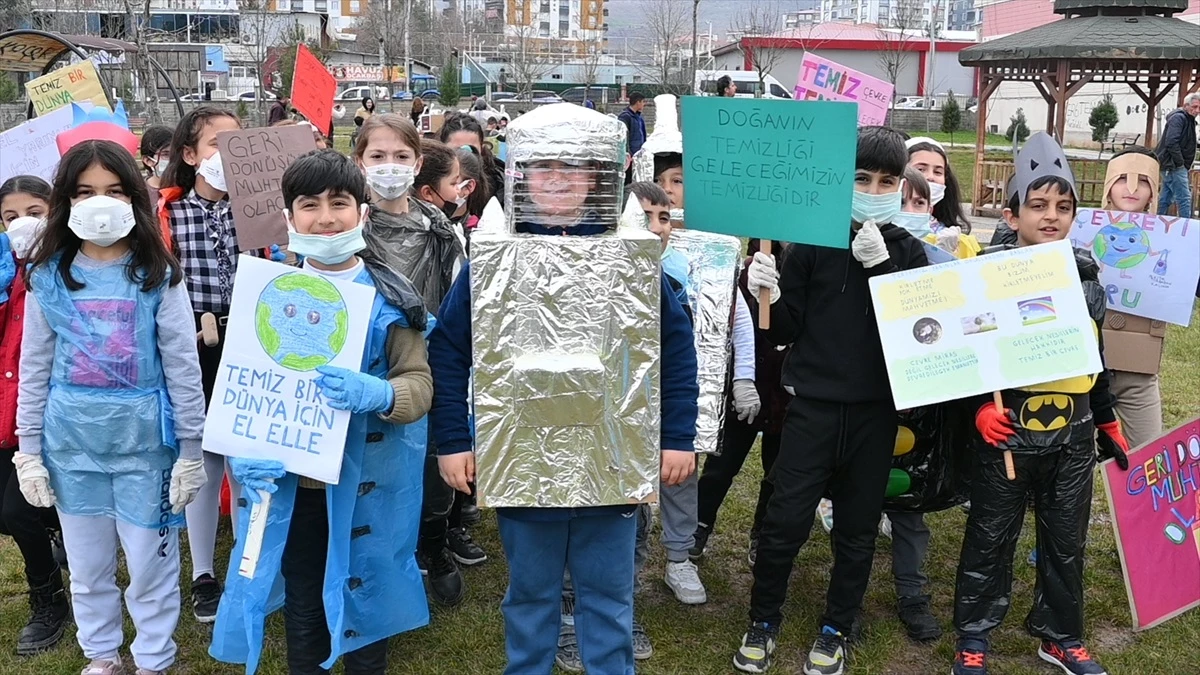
x=843, y=450
x=210, y=358
x=437, y=503
x=303, y=584
x=27, y=526
x=1061, y=484
x=720, y=470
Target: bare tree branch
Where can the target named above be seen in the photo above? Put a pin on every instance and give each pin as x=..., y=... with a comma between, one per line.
x=528, y=57
x=902, y=26
x=759, y=18
x=666, y=26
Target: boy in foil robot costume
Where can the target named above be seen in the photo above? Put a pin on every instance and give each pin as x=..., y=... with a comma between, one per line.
x=564, y=335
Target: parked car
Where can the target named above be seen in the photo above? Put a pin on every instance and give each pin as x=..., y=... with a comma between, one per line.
x=194, y=96
x=578, y=95
x=503, y=96
x=541, y=96
x=431, y=94
x=252, y=96
x=402, y=95
x=917, y=103
x=747, y=83
x=358, y=93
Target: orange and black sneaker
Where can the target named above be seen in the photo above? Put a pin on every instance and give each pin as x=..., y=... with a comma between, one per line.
x=1071, y=656
x=969, y=661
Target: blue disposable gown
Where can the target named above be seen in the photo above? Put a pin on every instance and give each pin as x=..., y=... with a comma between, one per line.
x=373, y=588
x=108, y=432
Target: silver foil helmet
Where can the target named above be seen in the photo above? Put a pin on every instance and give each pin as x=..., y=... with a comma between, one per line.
x=665, y=139
x=565, y=166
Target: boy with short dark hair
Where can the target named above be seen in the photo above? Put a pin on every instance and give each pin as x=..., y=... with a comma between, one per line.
x=1052, y=460
x=840, y=428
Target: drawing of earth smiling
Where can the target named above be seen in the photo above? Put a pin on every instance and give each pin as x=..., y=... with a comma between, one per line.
x=301, y=321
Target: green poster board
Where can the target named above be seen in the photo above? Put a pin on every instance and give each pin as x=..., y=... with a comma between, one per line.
x=778, y=170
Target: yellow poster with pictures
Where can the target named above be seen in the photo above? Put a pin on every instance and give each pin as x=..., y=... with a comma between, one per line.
x=1010, y=319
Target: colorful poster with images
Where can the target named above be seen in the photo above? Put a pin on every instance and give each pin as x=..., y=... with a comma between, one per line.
x=284, y=323
x=777, y=170
x=823, y=80
x=1149, y=264
x=76, y=83
x=968, y=327
x=30, y=148
x=1155, y=508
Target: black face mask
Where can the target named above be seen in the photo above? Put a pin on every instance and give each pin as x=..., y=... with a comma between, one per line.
x=448, y=208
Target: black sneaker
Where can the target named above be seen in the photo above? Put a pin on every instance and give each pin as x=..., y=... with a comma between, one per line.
x=1071, y=656
x=918, y=621
x=470, y=513
x=968, y=661
x=445, y=579
x=49, y=615
x=828, y=654
x=206, y=596
x=752, y=550
x=700, y=542
x=758, y=644
x=463, y=548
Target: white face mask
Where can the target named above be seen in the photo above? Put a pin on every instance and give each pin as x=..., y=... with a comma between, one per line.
x=161, y=167
x=390, y=181
x=918, y=224
x=22, y=232
x=102, y=220
x=327, y=249
x=936, y=192
x=213, y=172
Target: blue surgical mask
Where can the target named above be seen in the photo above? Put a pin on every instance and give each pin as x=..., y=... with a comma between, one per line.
x=918, y=225
x=327, y=249
x=879, y=208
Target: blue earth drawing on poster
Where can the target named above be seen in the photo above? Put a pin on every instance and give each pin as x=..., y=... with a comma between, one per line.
x=301, y=321
x=1123, y=246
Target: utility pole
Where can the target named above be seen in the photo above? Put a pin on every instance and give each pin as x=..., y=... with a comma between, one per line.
x=407, y=51
x=932, y=62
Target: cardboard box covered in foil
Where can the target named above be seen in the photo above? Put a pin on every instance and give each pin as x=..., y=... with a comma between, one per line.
x=566, y=368
x=714, y=262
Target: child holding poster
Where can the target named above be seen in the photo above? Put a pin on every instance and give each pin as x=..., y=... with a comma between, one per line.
x=840, y=428
x=952, y=228
x=1050, y=429
x=110, y=411
x=344, y=552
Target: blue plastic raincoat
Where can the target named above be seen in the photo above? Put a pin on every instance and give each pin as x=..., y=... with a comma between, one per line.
x=373, y=588
x=108, y=433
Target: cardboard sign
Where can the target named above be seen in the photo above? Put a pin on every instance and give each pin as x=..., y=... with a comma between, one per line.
x=313, y=88
x=1155, y=508
x=254, y=161
x=985, y=324
x=28, y=53
x=76, y=83
x=777, y=170
x=1149, y=264
x=284, y=323
x=823, y=80
x=30, y=148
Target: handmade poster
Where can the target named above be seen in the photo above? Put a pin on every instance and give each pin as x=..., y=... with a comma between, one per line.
x=823, y=80
x=284, y=323
x=313, y=89
x=30, y=148
x=777, y=170
x=1155, y=509
x=254, y=161
x=1149, y=264
x=935, y=255
x=76, y=83
x=968, y=327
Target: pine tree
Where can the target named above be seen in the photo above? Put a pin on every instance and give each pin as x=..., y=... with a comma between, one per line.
x=449, y=83
x=1018, y=125
x=1103, y=119
x=951, y=116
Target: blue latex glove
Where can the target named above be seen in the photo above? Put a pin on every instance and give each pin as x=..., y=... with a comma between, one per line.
x=357, y=392
x=256, y=475
x=8, y=267
x=277, y=255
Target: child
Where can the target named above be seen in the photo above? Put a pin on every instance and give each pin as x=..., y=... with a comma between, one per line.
x=415, y=239
x=24, y=203
x=474, y=188
x=111, y=411
x=842, y=414
x=1133, y=345
x=916, y=210
x=952, y=228
x=385, y=449
x=156, y=154
x=561, y=193
x=195, y=208
x=461, y=129
x=1054, y=464
x=437, y=183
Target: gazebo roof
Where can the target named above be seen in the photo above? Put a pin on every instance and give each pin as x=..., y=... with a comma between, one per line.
x=1145, y=37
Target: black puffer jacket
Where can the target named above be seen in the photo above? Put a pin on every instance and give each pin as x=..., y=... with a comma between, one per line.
x=1177, y=148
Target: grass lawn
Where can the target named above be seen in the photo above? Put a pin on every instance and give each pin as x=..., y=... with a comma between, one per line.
x=964, y=137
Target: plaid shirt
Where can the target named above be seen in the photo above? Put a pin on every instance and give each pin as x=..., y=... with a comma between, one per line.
x=206, y=241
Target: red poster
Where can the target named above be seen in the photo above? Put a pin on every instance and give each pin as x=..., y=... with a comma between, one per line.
x=1156, y=518
x=313, y=88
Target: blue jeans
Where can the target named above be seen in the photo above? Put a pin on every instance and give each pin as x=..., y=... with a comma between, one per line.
x=598, y=551
x=1175, y=190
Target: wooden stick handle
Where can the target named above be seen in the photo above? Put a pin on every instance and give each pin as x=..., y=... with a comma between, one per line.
x=764, y=294
x=1009, y=469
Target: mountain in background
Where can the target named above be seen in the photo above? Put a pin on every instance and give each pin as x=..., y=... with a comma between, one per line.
x=626, y=18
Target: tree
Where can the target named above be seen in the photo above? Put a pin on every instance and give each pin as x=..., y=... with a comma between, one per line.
x=291, y=41
x=759, y=18
x=666, y=23
x=1103, y=119
x=9, y=91
x=951, y=116
x=1018, y=130
x=589, y=67
x=139, y=20
x=695, y=39
x=896, y=32
x=528, y=60
x=448, y=83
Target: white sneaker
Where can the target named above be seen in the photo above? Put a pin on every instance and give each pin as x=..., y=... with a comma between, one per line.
x=104, y=667
x=825, y=514
x=683, y=579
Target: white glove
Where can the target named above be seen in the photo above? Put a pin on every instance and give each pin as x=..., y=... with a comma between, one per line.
x=34, y=480
x=762, y=274
x=745, y=400
x=868, y=247
x=947, y=239
x=187, y=477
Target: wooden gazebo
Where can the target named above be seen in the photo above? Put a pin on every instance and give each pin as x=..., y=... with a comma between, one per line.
x=1135, y=42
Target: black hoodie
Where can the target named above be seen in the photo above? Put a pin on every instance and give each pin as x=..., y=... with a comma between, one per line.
x=824, y=312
